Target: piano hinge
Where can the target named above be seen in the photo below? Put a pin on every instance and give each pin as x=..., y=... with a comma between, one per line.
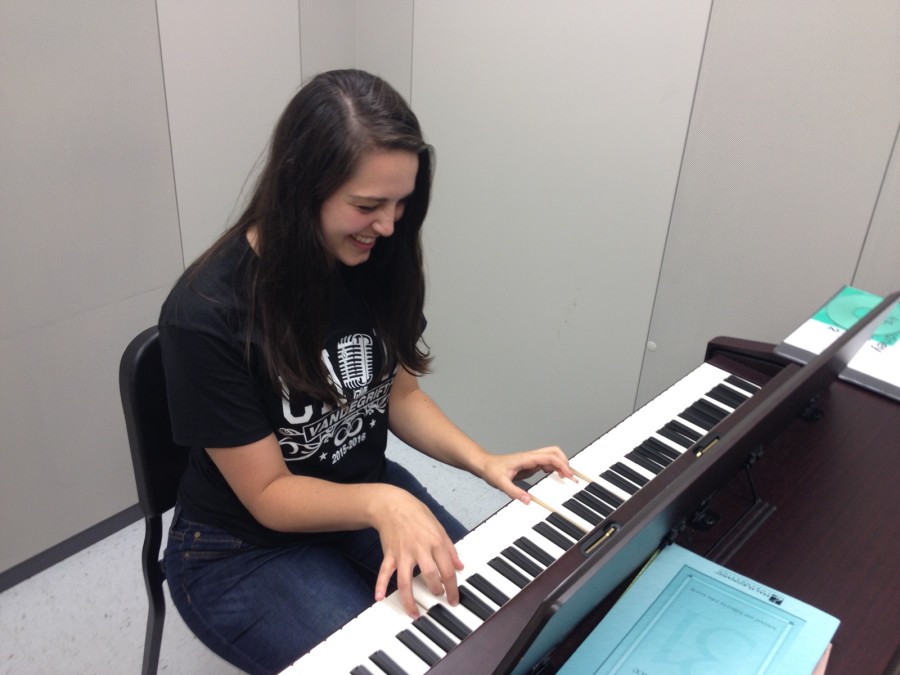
x=602, y=537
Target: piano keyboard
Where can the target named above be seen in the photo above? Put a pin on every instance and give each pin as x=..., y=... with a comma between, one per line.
x=519, y=541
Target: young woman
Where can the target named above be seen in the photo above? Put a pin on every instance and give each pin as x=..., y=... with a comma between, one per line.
x=291, y=347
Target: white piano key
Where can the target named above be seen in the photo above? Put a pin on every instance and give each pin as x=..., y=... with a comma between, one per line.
x=515, y=517
x=369, y=632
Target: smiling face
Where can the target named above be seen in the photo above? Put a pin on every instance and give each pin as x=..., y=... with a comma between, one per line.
x=368, y=204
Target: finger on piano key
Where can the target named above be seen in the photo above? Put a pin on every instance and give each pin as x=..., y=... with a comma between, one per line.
x=427, y=600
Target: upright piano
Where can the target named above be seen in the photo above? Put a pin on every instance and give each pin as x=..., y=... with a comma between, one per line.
x=781, y=472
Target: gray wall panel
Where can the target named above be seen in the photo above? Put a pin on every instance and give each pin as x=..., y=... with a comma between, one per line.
x=796, y=113
x=230, y=66
x=90, y=243
x=385, y=41
x=559, y=136
x=328, y=35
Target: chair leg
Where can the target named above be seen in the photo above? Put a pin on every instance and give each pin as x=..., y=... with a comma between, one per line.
x=153, y=580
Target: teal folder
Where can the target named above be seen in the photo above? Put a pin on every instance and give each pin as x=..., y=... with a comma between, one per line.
x=685, y=615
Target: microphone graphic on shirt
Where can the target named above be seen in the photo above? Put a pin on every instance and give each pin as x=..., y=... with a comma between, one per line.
x=355, y=363
x=354, y=353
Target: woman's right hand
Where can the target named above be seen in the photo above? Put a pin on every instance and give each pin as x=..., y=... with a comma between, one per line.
x=410, y=534
x=412, y=537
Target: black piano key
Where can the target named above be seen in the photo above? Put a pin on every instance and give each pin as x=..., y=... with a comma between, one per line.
x=417, y=647
x=386, y=663
x=691, y=434
x=660, y=448
x=582, y=511
x=727, y=395
x=425, y=626
x=695, y=416
x=528, y=566
x=570, y=529
x=652, y=453
x=679, y=434
x=619, y=482
x=488, y=589
x=474, y=604
x=741, y=383
x=595, y=504
x=360, y=670
x=629, y=473
x=650, y=463
x=711, y=409
x=446, y=618
x=604, y=494
x=504, y=568
x=534, y=550
x=552, y=534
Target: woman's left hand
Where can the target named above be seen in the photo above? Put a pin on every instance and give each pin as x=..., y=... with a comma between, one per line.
x=501, y=470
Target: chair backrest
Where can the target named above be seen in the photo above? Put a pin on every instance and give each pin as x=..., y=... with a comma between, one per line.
x=158, y=461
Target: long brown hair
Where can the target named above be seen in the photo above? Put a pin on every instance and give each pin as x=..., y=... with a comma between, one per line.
x=316, y=147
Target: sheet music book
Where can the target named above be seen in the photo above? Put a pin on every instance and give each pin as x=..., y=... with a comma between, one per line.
x=877, y=365
x=685, y=614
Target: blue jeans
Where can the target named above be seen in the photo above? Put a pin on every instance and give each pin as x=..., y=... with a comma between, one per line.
x=261, y=608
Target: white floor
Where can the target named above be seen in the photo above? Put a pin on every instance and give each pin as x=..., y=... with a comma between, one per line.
x=88, y=613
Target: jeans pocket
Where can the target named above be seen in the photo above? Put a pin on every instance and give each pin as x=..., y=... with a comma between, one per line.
x=193, y=540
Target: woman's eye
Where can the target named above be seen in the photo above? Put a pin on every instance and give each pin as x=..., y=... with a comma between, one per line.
x=367, y=209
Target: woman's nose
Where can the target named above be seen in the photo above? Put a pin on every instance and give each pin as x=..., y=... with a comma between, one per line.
x=384, y=223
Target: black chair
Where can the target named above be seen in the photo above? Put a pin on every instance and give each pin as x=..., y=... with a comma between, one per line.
x=158, y=466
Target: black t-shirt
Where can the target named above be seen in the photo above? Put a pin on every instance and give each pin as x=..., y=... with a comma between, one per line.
x=220, y=398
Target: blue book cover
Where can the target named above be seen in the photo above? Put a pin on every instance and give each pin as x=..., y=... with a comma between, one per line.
x=688, y=616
